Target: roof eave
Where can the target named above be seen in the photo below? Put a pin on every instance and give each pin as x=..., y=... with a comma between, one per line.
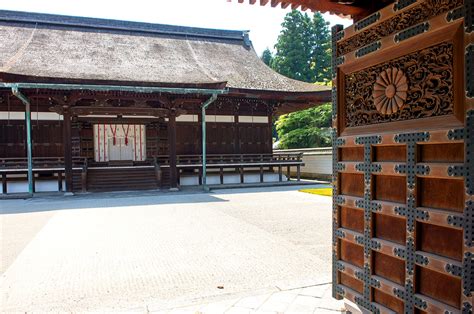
x=15, y=78
x=320, y=96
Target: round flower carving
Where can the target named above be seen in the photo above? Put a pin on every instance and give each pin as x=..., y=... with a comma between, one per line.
x=390, y=91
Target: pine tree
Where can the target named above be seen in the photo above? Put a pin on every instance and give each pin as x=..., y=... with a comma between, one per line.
x=321, y=50
x=303, y=52
x=267, y=57
x=303, y=49
x=293, y=49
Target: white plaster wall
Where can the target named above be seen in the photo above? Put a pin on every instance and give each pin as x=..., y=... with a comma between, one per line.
x=230, y=178
x=40, y=186
x=318, y=161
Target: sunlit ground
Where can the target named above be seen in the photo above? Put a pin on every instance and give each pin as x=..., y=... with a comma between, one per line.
x=319, y=191
x=122, y=251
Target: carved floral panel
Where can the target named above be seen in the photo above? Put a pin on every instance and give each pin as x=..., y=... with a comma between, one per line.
x=417, y=14
x=429, y=74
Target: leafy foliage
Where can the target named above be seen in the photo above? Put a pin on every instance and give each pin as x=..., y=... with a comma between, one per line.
x=321, y=52
x=267, y=57
x=306, y=128
x=293, y=49
x=303, y=52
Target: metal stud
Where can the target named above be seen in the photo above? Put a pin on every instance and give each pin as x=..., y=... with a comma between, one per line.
x=368, y=49
x=408, y=295
x=371, y=19
x=411, y=213
x=402, y=4
x=412, y=31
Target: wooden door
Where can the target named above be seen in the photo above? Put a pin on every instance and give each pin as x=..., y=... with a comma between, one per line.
x=121, y=150
x=403, y=158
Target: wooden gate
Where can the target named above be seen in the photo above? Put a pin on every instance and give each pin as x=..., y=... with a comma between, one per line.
x=403, y=158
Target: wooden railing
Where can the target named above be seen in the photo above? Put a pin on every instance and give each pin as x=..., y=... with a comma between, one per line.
x=45, y=165
x=39, y=163
x=212, y=159
x=237, y=162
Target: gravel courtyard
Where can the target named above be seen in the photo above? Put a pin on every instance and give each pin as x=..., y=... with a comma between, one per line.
x=147, y=251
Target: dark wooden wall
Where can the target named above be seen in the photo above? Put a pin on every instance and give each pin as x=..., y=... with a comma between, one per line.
x=46, y=137
x=403, y=187
x=222, y=138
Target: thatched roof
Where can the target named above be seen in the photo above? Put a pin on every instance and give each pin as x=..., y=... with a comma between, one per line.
x=52, y=48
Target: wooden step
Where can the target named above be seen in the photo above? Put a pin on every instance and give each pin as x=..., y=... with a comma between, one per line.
x=124, y=179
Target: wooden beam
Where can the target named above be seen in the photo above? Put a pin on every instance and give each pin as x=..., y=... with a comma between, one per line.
x=138, y=111
x=294, y=6
x=114, y=120
x=334, y=7
x=319, y=5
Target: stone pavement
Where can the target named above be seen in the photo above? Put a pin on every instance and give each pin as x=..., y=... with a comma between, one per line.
x=309, y=299
x=166, y=251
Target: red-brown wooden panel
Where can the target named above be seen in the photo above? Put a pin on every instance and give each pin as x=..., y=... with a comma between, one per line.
x=441, y=193
x=352, y=253
x=401, y=95
x=390, y=153
x=440, y=240
x=389, y=267
x=351, y=153
x=445, y=152
x=352, y=184
x=352, y=282
x=439, y=286
x=352, y=218
x=390, y=188
x=390, y=228
x=388, y=301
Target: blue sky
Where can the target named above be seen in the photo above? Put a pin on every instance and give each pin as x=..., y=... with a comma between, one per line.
x=263, y=22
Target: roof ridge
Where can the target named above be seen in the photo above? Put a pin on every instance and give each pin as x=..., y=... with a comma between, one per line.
x=121, y=25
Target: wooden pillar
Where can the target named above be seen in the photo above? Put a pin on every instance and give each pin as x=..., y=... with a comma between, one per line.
x=236, y=134
x=199, y=131
x=67, y=145
x=172, y=149
x=270, y=130
x=60, y=181
x=4, y=183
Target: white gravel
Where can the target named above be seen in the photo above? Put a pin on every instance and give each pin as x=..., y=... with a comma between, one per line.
x=126, y=251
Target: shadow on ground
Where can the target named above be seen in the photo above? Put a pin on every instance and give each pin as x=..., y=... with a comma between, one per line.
x=52, y=202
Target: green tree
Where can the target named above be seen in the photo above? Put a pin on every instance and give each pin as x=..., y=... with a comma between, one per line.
x=293, y=48
x=267, y=57
x=303, y=52
x=303, y=49
x=321, y=50
x=306, y=128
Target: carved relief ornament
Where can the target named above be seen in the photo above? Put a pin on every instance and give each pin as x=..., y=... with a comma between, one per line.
x=390, y=91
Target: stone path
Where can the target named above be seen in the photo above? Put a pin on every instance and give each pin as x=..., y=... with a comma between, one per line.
x=311, y=299
x=166, y=251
